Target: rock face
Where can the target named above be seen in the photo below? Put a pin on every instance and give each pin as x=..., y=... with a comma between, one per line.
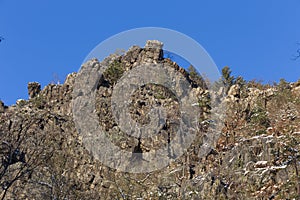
x=153, y=51
x=234, y=93
x=44, y=156
x=296, y=89
x=33, y=89
x=2, y=107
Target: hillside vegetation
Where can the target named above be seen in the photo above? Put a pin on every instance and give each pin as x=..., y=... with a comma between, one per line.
x=255, y=156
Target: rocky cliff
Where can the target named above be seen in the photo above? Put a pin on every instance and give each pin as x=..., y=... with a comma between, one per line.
x=252, y=154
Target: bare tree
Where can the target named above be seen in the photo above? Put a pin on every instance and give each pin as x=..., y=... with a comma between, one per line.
x=21, y=153
x=17, y=165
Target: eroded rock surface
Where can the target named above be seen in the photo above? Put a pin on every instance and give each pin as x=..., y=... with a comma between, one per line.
x=43, y=155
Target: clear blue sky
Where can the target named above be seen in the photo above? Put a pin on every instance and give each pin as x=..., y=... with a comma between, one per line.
x=255, y=38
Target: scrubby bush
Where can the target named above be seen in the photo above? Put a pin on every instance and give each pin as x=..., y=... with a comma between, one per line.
x=114, y=72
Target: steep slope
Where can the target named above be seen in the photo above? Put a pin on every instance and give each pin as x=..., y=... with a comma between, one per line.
x=255, y=154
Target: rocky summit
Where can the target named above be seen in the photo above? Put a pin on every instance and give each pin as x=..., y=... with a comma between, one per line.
x=245, y=142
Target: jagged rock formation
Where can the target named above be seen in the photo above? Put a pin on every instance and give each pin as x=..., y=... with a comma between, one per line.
x=33, y=89
x=256, y=156
x=2, y=107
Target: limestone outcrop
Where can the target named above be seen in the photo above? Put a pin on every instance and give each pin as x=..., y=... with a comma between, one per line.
x=253, y=155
